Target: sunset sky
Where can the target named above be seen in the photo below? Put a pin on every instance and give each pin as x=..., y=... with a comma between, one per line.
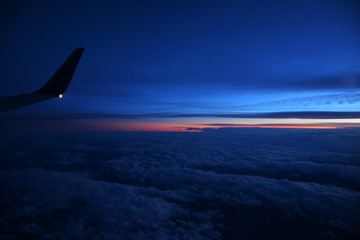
x=185, y=119
x=183, y=65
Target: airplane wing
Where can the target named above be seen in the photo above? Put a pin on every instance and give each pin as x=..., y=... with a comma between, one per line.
x=54, y=87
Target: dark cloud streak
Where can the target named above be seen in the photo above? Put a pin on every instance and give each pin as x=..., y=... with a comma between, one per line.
x=277, y=115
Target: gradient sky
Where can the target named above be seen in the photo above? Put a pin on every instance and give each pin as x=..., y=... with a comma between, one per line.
x=184, y=65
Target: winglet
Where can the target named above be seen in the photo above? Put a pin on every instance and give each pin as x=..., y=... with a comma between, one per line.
x=60, y=80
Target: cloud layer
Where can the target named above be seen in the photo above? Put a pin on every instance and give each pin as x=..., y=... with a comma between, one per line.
x=248, y=183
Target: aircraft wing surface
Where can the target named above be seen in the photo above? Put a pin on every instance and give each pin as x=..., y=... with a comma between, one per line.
x=54, y=87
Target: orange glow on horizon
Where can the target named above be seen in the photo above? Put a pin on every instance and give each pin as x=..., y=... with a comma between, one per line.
x=274, y=126
x=302, y=127
x=178, y=127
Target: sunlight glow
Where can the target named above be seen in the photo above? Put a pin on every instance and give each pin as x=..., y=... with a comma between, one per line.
x=181, y=127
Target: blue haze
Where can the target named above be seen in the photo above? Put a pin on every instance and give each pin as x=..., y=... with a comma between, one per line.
x=183, y=56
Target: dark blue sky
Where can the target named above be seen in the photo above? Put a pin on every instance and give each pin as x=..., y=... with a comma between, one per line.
x=185, y=57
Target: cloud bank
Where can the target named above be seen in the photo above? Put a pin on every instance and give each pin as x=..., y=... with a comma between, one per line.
x=248, y=183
